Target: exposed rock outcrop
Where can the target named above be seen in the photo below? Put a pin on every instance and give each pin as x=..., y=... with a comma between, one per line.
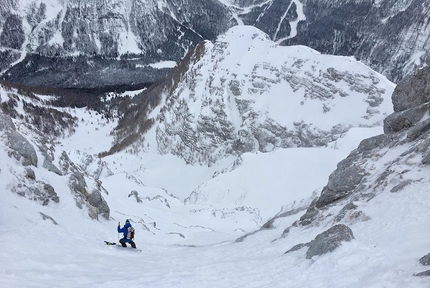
x=413, y=91
x=37, y=191
x=390, y=36
x=136, y=196
x=425, y=260
x=47, y=217
x=93, y=200
x=408, y=127
x=20, y=147
x=326, y=242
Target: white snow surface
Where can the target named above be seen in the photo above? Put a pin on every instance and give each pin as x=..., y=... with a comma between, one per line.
x=292, y=104
x=37, y=253
x=193, y=245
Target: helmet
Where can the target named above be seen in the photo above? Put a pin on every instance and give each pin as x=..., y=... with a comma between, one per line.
x=127, y=221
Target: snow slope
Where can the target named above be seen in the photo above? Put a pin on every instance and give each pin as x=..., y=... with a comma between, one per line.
x=38, y=253
x=193, y=244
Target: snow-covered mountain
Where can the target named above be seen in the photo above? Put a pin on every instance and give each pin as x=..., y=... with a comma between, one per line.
x=244, y=93
x=117, y=43
x=391, y=36
x=218, y=180
x=108, y=42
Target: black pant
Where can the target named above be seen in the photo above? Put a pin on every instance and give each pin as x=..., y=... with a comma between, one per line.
x=123, y=243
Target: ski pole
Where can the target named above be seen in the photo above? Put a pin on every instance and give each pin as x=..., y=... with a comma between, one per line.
x=118, y=232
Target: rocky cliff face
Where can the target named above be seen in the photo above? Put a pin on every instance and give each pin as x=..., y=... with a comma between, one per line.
x=379, y=172
x=244, y=93
x=389, y=163
x=29, y=147
x=102, y=43
x=392, y=37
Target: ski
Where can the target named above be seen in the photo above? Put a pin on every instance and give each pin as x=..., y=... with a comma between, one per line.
x=119, y=246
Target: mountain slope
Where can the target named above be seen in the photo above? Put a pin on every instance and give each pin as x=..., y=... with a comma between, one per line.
x=389, y=169
x=244, y=108
x=72, y=253
x=244, y=93
x=109, y=42
x=228, y=223
x=390, y=36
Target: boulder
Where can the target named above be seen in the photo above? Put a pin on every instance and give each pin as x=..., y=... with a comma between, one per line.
x=329, y=240
x=372, y=143
x=342, y=182
x=418, y=130
x=424, y=273
x=96, y=200
x=412, y=91
x=411, y=102
x=425, y=260
x=405, y=119
x=326, y=241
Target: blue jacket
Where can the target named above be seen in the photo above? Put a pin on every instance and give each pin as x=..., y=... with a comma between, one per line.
x=124, y=231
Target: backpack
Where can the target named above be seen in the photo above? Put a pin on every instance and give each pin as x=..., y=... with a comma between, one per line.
x=130, y=232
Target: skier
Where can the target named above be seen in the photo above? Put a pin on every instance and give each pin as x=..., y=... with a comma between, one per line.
x=128, y=232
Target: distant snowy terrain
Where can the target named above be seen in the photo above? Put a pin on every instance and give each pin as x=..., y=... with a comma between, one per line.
x=113, y=43
x=189, y=217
